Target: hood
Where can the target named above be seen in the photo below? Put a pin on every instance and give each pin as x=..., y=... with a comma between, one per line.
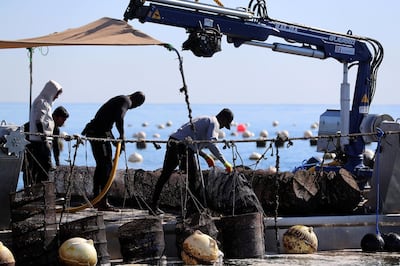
x=50, y=90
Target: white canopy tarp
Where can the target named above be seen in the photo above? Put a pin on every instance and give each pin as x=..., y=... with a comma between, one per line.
x=105, y=31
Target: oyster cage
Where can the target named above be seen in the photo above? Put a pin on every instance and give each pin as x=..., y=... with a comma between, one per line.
x=33, y=224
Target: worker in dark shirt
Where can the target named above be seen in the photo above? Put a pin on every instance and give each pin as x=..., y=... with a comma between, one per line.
x=113, y=111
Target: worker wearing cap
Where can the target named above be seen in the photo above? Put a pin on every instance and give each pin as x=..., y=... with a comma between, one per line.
x=205, y=128
x=60, y=115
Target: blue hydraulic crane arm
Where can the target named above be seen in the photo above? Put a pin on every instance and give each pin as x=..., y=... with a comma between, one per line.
x=242, y=26
x=207, y=23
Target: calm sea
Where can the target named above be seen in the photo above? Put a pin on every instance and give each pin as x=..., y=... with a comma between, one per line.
x=158, y=121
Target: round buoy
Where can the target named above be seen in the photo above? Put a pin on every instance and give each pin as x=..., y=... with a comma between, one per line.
x=168, y=124
x=275, y=123
x=392, y=242
x=77, y=251
x=300, y=239
x=271, y=170
x=255, y=156
x=314, y=125
x=247, y=134
x=135, y=158
x=221, y=134
x=161, y=126
x=141, y=135
x=307, y=134
x=200, y=248
x=234, y=134
x=145, y=124
x=241, y=128
x=264, y=134
x=284, y=134
x=156, y=135
x=372, y=243
x=6, y=257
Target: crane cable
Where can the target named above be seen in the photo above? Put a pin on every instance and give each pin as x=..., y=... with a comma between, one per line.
x=104, y=191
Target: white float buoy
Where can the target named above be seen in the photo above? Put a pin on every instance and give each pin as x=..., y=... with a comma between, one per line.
x=168, y=124
x=221, y=134
x=307, y=134
x=284, y=134
x=271, y=170
x=145, y=124
x=247, y=134
x=255, y=156
x=135, y=158
x=161, y=126
x=275, y=123
x=300, y=239
x=264, y=133
x=6, y=256
x=199, y=247
x=141, y=135
x=78, y=251
x=156, y=135
x=314, y=125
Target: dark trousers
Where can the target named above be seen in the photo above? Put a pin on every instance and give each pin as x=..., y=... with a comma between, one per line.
x=174, y=156
x=102, y=153
x=39, y=161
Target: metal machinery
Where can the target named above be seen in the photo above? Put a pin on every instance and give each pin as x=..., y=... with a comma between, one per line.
x=206, y=24
x=12, y=146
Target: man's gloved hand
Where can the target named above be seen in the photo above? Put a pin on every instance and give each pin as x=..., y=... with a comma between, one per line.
x=228, y=167
x=210, y=161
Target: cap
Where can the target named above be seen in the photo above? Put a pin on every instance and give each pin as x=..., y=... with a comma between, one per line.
x=225, y=117
x=61, y=111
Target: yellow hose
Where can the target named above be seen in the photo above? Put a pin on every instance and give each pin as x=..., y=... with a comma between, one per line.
x=106, y=187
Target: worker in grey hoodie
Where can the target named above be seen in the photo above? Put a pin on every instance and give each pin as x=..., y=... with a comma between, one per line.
x=41, y=121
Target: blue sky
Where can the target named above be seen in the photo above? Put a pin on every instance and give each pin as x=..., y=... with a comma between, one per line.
x=235, y=75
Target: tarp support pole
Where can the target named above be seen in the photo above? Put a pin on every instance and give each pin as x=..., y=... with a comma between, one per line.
x=30, y=79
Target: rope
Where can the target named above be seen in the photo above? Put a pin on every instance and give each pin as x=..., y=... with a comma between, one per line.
x=277, y=201
x=226, y=142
